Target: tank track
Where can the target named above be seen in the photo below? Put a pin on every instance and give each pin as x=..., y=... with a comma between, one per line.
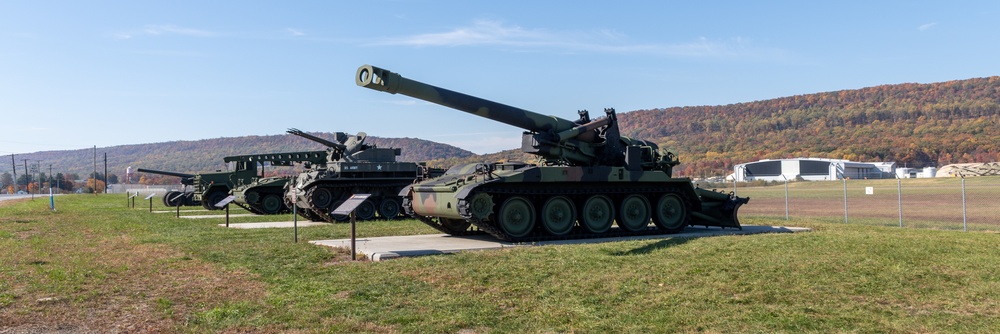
x=392, y=187
x=435, y=222
x=247, y=207
x=539, y=234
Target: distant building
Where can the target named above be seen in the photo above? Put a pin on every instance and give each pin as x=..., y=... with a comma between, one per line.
x=912, y=173
x=811, y=169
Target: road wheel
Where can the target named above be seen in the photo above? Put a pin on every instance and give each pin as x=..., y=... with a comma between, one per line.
x=558, y=215
x=455, y=225
x=271, y=204
x=597, y=214
x=517, y=217
x=389, y=208
x=670, y=213
x=633, y=214
x=321, y=198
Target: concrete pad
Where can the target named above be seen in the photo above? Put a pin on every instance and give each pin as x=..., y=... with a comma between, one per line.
x=383, y=248
x=288, y=224
x=222, y=216
x=182, y=211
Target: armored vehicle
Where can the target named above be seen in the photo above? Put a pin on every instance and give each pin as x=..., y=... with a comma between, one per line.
x=588, y=178
x=254, y=192
x=353, y=167
x=264, y=195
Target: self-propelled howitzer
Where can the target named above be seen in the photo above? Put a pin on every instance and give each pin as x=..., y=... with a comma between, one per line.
x=590, y=177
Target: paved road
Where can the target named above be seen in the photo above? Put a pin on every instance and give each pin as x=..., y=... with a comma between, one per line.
x=4, y=197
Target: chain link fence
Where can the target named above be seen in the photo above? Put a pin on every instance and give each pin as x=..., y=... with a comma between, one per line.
x=952, y=203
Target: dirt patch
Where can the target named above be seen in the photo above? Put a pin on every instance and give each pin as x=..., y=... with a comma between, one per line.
x=125, y=287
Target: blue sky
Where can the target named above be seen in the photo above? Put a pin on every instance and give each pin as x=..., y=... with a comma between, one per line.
x=75, y=74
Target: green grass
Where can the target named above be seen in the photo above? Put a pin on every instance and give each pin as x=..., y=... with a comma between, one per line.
x=101, y=260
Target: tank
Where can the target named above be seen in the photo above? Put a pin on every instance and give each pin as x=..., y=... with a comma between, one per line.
x=353, y=167
x=265, y=195
x=589, y=180
x=171, y=198
x=253, y=191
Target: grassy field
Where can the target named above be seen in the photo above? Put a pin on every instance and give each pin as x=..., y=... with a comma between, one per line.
x=925, y=203
x=96, y=266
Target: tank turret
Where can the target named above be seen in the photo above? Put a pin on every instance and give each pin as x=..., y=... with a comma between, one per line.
x=591, y=177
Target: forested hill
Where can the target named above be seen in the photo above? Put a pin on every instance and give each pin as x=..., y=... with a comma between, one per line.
x=206, y=155
x=912, y=124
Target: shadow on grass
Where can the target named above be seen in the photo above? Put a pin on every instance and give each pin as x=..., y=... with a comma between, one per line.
x=649, y=248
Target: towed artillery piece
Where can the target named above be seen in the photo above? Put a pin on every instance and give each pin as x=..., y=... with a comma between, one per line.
x=589, y=177
x=171, y=198
x=353, y=167
x=253, y=191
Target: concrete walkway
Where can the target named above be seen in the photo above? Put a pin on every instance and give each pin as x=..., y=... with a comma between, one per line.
x=222, y=216
x=383, y=248
x=288, y=224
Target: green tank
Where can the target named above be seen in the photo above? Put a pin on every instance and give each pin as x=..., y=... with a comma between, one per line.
x=265, y=195
x=353, y=167
x=588, y=178
x=253, y=191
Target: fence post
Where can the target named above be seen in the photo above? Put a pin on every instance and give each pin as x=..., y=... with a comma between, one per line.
x=845, y=198
x=899, y=201
x=786, y=195
x=965, y=222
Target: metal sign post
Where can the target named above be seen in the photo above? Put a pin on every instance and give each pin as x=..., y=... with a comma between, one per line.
x=169, y=200
x=150, y=198
x=295, y=212
x=348, y=209
x=225, y=203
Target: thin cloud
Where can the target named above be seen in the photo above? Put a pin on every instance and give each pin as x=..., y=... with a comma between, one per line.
x=494, y=33
x=928, y=26
x=294, y=32
x=165, y=30
x=480, y=33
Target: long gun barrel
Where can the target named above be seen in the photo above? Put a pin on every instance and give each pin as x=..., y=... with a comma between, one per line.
x=184, y=175
x=379, y=79
x=337, y=146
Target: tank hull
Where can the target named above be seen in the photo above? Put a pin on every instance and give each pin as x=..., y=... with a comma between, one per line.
x=263, y=196
x=526, y=202
x=316, y=193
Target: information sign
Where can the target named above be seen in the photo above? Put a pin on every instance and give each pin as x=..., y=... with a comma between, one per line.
x=350, y=204
x=225, y=201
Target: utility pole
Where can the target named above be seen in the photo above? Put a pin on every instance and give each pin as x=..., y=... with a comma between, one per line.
x=28, y=175
x=106, y=185
x=14, y=165
x=95, y=170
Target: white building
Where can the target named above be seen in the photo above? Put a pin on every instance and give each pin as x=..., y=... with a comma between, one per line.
x=912, y=173
x=811, y=169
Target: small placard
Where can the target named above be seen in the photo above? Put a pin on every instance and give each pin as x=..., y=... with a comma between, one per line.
x=176, y=197
x=225, y=201
x=869, y=190
x=150, y=196
x=350, y=204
